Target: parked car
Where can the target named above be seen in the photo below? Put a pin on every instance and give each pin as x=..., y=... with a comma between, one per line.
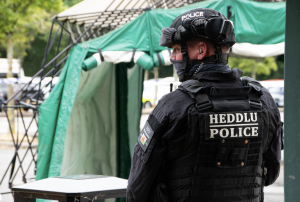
x=276, y=89
x=30, y=92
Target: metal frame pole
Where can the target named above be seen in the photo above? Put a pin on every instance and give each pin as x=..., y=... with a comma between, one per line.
x=291, y=103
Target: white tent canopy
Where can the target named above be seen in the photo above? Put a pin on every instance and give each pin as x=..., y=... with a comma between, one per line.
x=86, y=11
x=258, y=50
x=117, y=11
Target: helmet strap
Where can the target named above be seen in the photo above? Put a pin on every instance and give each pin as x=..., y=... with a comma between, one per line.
x=185, y=59
x=218, y=57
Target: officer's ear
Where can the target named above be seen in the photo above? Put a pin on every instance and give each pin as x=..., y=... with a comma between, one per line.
x=202, y=50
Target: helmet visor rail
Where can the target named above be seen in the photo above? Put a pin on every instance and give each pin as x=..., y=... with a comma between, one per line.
x=215, y=29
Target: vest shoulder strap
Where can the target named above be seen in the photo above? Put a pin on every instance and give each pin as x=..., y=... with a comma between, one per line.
x=197, y=91
x=247, y=81
x=191, y=86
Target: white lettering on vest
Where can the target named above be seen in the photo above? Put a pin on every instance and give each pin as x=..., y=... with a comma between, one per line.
x=213, y=119
x=254, y=131
x=245, y=131
x=253, y=119
x=222, y=118
x=232, y=133
x=213, y=132
x=240, y=132
x=239, y=117
x=226, y=132
x=246, y=118
x=232, y=118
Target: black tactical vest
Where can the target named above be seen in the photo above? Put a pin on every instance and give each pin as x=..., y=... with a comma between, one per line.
x=222, y=158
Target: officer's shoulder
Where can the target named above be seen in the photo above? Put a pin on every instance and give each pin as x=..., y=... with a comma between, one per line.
x=266, y=97
x=175, y=98
x=247, y=81
x=173, y=105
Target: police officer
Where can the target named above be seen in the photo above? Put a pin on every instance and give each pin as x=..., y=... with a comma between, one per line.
x=218, y=137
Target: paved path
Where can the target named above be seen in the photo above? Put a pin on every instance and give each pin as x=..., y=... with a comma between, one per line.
x=5, y=157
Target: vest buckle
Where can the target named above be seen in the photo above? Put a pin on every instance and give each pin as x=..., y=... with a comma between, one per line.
x=205, y=105
x=255, y=104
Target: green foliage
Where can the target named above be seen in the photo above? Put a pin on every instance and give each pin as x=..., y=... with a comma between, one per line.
x=35, y=54
x=30, y=21
x=23, y=19
x=279, y=74
x=253, y=67
x=69, y=3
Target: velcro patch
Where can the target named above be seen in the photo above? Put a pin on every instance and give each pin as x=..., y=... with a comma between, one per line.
x=233, y=125
x=145, y=136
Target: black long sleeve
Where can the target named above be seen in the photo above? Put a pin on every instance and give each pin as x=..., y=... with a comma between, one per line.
x=169, y=123
x=272, y=156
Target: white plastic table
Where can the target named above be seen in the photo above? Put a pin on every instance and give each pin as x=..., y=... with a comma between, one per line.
x=80, y=188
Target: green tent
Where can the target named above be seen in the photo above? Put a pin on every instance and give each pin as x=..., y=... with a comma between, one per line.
x=90, y=122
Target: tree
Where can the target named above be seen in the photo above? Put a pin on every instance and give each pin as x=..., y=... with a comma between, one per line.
x=19, y=20
x=35, y=53
x=254, y=67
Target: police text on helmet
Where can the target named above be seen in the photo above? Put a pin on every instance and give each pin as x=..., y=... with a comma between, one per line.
x=192, y=15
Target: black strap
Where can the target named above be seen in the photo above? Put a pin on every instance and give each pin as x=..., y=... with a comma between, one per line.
x=190, y=82
x=169, y=50
x=226, y=171
x=202, y=101
x=219, y=91
x=159, y=60
x=230, y=105
x=252, y=82
x=254, y=99
x=226, y=181
x=181, y=77
x=192, y=86
x=253, y=96
x=100, y=53
x=185, y=59
x=133, y=53
x=219, y=193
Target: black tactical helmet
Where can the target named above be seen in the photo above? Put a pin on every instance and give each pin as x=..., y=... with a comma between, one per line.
x=202, y=22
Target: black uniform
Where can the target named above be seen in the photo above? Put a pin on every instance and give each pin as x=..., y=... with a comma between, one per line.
x=180, y=158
